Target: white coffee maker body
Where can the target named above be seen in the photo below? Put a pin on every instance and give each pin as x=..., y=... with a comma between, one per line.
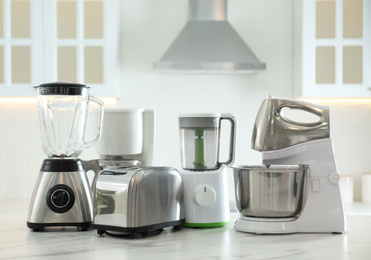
x=128, y=135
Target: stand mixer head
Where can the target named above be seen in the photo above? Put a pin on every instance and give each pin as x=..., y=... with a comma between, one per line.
x=273, y=130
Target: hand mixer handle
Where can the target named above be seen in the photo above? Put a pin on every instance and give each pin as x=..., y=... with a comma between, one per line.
x=313, y=109
x=100, y=122
x=232, y=141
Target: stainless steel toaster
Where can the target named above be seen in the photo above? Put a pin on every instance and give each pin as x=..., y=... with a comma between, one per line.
x=137, y=200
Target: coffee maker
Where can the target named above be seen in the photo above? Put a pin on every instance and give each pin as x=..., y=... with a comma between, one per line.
x=62, y=194
x=128, y=136
x=205, y=178
x=131, y=196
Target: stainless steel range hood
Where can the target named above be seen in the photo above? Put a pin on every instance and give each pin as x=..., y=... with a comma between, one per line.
x=208, y=44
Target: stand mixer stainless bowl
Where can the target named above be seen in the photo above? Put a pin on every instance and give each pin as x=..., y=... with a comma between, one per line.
x=297, y=187
x=274, y=192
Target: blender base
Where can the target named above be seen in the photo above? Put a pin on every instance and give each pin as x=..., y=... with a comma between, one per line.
x=61, y=198
x=85, y=226
x=206, y=202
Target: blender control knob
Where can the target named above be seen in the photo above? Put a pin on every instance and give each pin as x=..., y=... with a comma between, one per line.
x=205, y=196
x=60, y=198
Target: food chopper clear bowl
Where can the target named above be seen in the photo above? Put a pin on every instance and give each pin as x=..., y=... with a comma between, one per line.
x=63, y=111
x=199, y=143
x=274, y=192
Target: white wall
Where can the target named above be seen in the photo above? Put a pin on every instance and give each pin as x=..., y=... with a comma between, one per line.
x=148, y=28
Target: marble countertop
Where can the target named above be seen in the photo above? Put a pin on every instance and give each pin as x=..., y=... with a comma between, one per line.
x=18, y=242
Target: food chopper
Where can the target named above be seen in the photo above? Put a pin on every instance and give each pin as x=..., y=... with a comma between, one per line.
x=132, y=197
x=205, y=177
x=297, y=187
x=62, y=194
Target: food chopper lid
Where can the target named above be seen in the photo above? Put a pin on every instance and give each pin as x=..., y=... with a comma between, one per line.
x=202, y=120
x=62, y=88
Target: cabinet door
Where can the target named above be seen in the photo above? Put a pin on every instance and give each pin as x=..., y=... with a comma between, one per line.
x=81, y=38
x=20, y=47
x=58, y=40
x=336, y=51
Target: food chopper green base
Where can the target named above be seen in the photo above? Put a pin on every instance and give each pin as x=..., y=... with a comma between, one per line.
x=206, y=225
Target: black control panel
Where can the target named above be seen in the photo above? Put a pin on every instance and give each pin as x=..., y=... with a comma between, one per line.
x=60, y=198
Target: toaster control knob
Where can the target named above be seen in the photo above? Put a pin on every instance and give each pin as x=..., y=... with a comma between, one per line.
x=205, y=196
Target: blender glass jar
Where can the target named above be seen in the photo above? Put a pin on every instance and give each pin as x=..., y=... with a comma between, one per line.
x=63, y=109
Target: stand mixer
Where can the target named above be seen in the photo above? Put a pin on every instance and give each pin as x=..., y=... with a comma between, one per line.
x=62, y=195
x=205, y=178
x=297, y=189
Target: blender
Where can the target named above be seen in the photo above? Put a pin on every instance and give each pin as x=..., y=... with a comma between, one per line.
x=205, y=177
x=62, y=195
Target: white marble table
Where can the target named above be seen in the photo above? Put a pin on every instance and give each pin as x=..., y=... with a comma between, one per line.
x=18, y=242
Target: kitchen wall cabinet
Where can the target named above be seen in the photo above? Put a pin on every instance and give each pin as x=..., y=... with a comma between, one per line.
x=332, y=48
x=58, y=40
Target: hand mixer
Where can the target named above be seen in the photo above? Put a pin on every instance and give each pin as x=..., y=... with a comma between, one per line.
x=280, y=197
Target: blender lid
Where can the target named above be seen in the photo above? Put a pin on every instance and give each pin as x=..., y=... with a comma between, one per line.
x=202, y=120
x=62, y=88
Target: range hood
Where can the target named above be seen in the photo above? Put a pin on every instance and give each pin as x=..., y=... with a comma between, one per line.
x=208, y=44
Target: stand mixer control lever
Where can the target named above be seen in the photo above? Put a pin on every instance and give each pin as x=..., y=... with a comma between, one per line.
x=205, y=196
x=316, y=185
x=334, y=177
